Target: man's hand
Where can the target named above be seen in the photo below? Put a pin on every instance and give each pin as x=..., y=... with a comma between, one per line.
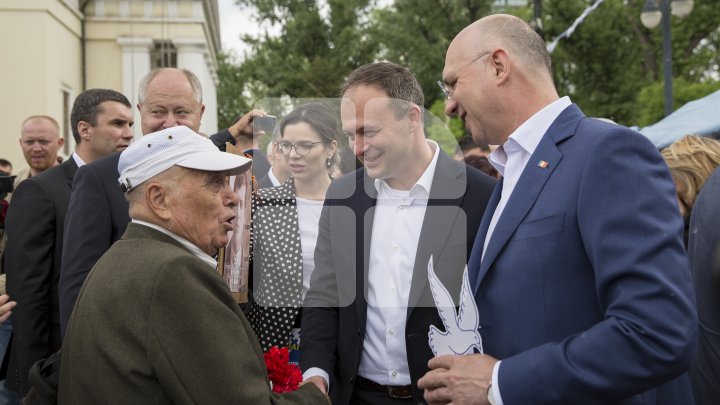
x=6, y=307
x=458, y=379
x=318, y=382
x=243, y=126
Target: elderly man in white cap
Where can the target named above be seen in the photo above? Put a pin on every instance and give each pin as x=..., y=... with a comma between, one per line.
x=154, y=322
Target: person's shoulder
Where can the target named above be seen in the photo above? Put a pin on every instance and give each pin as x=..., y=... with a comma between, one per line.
x=477, y=178
x=50, y=175
x=270, y=195
x=347, y=185
x=104, y=163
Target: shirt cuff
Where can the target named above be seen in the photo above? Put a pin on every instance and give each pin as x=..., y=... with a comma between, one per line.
x=317, y=371
x=495, y=385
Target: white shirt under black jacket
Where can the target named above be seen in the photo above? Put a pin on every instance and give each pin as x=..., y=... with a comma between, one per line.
x=396, y=229
x=510, y=160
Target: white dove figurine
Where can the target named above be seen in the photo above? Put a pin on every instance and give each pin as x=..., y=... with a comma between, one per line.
x=461, y=330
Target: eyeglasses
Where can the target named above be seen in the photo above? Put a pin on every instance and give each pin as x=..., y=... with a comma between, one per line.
x=449, y=91
x=301, y=148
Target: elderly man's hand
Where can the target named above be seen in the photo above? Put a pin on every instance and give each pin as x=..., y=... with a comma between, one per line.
x=458, y=379
x=318, y=382
x=6, y=307
x=243, y=126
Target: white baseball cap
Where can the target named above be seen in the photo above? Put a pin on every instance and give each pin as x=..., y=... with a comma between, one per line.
x=177, y=146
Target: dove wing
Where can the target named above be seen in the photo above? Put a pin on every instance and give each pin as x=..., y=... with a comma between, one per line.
x=468, y=316
x=442, y=298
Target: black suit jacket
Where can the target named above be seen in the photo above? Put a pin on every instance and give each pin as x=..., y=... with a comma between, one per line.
x=32, y=261
x=704, y=252
x=97, y=217
x=334, y=314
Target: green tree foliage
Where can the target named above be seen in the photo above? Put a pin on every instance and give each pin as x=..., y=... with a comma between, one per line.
x=313, y=52
x=231, y=101
x=611, y=63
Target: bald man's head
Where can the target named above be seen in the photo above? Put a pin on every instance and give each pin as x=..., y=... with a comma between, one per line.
x=511, y=33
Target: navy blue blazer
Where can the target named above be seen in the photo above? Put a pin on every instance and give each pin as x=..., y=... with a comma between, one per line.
x=584, y=292
x=335, y=309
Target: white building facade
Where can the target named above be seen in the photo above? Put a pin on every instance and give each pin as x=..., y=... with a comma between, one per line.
x=54, y=49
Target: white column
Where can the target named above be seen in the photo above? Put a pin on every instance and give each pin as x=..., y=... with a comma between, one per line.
x=136, y=64
x=192, y=54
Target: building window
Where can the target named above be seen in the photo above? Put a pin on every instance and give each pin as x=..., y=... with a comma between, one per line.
x=164, y=54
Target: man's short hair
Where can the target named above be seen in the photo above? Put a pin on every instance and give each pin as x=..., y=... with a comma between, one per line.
x=396, y=81
x=194, y=82
x=87, y=107
x=43, y=117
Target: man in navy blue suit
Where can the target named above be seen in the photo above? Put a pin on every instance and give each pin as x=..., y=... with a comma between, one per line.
x=579, y=271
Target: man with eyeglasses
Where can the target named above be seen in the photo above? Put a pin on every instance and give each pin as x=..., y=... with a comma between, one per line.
x=578, y=270
x=369, y=307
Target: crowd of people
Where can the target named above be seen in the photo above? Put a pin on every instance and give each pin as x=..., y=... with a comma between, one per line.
x=566, y=234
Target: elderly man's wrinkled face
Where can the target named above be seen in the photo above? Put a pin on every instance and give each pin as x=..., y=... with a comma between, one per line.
x=202, y=209
x=170, y=101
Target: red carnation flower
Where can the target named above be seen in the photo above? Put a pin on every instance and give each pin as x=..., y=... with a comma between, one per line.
x=285, y=377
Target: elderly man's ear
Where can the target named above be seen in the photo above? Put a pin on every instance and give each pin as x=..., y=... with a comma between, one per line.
x=157, y=198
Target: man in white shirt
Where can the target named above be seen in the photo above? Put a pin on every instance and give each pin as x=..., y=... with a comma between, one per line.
x=578, y=270
x=367, y=313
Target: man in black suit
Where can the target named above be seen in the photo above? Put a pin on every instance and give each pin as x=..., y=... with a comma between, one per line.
x=367, y=313
x=101, y=122
x=98, y=212
x=704, y=253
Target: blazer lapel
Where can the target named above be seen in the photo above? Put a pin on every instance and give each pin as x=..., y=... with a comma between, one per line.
x=529, y=186
x=446, y=196
x=364, y=201
x=476, y=252
x=70, y=167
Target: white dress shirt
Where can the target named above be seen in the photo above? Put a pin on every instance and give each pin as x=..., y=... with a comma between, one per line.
x=274, y=180
x=78, y=160
x=510, y=160
x=397, y=222
x=309, y=223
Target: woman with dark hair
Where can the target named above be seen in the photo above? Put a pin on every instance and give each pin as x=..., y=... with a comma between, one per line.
x=285, y=223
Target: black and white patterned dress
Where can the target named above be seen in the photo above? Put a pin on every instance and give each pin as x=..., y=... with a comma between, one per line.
x=277, y=269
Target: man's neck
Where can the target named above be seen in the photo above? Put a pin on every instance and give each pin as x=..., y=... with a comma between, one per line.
x=414, y=170
x=85, y=153
x=34, y=172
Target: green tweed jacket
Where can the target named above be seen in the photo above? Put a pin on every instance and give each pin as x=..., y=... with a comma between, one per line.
x=154, y=324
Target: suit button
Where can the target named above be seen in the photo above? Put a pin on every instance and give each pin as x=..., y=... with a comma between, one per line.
x=352, y=380
x=358, y=331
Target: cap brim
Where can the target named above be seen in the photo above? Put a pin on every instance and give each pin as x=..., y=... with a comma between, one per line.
x=216, y=161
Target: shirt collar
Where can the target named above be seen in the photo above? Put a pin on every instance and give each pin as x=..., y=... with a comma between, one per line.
x=528, y=135
x=184, y=242
x=424, y=183
x=78, y=160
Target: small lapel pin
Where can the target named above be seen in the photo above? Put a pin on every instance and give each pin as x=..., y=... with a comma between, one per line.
x=543, y=164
